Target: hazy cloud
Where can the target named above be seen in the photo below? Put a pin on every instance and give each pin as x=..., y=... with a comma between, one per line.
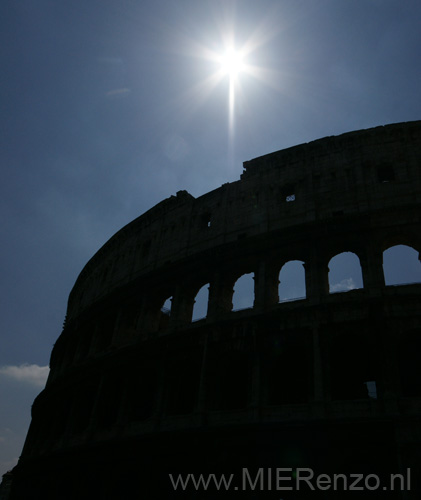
x=31, y=374
x=118, y=92
x=343, y=286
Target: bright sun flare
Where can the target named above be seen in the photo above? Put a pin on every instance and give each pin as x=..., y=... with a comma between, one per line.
x=232, y=63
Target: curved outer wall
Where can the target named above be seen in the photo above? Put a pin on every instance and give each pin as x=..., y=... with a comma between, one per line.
x=135, y=393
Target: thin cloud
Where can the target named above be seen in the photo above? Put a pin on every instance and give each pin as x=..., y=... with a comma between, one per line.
x=118, y=92
x=29, y=374
x=343, y=286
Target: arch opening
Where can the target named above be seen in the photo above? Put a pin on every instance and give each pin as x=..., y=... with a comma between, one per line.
x=401, y=265
x=200, y=307
x=292, y=282
x=165, y=313
x=166, y=307
x=243, y=297
x=345, y=273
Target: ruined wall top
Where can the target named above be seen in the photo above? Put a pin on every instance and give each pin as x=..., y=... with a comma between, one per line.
x=354, y=173
x=370, y=144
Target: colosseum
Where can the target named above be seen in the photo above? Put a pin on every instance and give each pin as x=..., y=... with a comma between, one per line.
x=288, y=398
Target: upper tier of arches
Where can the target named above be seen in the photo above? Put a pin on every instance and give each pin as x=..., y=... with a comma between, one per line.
x=372, y=174
x=269, y=284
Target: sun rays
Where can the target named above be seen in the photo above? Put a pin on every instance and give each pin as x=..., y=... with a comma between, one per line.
x=224, y=59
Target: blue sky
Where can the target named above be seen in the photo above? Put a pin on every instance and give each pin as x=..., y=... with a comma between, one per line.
x=106, y=110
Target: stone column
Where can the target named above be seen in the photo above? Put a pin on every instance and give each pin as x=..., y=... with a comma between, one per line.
x=92, y=423
x=389, y=370
x=317, y=278
x=220, y=295
x=149, y=316
x=159, y=404
x=256, y=382
x=372, y=269
x=201, y=397
x=266, y=281
x=182, y=306
x=318, y=383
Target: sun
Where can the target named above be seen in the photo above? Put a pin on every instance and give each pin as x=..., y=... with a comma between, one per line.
x=232, y=63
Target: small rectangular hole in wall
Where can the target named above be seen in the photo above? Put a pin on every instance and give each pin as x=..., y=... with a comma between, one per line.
x=385, y=173
x=205, y=220
x=288, y=193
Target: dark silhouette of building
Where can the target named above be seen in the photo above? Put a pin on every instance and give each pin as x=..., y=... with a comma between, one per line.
x=5, y=485
x=329, y=382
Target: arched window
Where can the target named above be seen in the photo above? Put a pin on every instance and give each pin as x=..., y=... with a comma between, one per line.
x=243, y=297
x=166, y=308
x=292, y=282
x=200, y=308
x=345, y=273
x=165, y=314
x=401, y=265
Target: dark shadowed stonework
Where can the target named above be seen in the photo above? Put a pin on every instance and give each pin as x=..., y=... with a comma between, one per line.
x=136, y=392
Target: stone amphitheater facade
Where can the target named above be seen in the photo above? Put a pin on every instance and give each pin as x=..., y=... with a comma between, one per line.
x=136, y=392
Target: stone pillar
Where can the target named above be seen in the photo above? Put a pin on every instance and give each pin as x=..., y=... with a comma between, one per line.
x=159, y=404
x=372, y=269
x=256, y=382
x=319, y=392
x=266, y=281
x=182, y=306
x=104, y=333
x=150, y=316
x=389, y=370
x=118, y=326
x=317, y=278
x=92, y=423
x=201, y=397
x=220, y=295
x=318, y=388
